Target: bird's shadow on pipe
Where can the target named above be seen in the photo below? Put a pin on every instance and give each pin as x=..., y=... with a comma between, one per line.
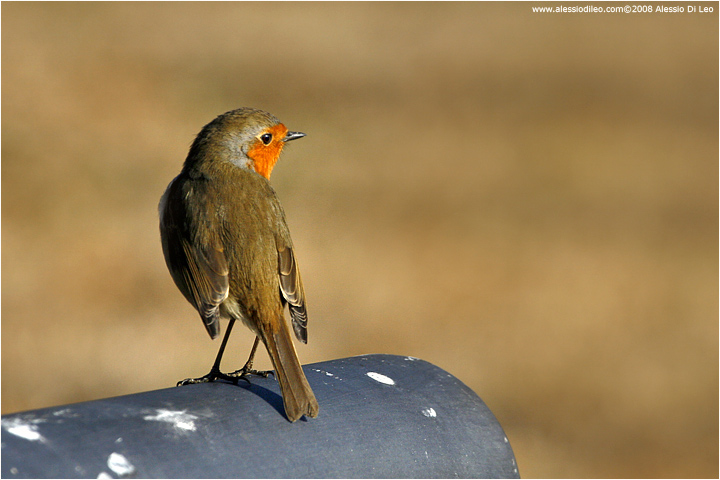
x=273, y=399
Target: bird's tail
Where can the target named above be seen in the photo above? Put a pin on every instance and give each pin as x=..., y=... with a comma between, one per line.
x=298, y=397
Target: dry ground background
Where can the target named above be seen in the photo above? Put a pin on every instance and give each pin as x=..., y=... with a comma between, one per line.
x=529, y=201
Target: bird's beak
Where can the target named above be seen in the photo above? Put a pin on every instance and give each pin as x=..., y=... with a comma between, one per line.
x=293, y=136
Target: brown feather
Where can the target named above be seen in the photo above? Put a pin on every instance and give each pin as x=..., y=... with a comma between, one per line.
x=200, y=274
x=298, y=397
x=293, y=292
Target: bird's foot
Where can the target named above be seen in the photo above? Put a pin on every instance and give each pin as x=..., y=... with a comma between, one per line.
x=247, y=370
x=211, y=377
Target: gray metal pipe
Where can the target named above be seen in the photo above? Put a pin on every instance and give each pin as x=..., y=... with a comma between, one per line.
x=381, y=416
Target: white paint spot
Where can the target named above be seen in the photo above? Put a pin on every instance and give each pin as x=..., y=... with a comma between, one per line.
x=119, y=440
x=179, y=419
x=24, y=429
x=120, y=465
x=13, y=470
x=429, y=412
x=378, y=377
x=411, y=359
x=64, y=413
x=104, y=475
x=327, y=374
x=28, y=432
x=506, y=440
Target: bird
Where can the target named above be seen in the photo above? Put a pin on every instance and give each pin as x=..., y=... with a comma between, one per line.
x=227, y=246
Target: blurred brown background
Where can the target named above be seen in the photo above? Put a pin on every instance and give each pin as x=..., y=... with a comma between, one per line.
x=529, y=201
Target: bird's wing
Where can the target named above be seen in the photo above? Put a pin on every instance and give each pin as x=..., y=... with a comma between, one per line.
x=200, y=272
x=292, y=290
x=205, y=274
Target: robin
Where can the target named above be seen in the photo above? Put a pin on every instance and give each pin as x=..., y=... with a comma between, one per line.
x=228, y=247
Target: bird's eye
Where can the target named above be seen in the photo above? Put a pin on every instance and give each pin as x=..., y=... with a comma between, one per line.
x=266, y=138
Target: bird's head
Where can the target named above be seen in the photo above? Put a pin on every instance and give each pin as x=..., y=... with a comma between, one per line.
x=246, y=137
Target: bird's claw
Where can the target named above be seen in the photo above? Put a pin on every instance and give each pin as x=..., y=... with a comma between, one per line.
x=191, y=381
x=247, y=371
x=211, y=377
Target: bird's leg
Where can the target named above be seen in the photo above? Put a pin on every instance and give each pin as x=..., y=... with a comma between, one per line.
x=215, y=372
x=247, y=368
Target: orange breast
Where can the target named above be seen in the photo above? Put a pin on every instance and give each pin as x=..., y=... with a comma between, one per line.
x=265, y=157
